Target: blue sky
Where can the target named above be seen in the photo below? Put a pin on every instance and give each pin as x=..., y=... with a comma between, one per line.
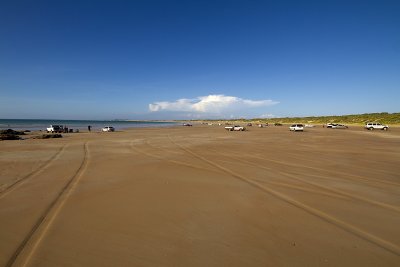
x=198, y=59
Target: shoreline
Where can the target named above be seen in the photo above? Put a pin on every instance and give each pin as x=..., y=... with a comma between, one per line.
x=36, y=125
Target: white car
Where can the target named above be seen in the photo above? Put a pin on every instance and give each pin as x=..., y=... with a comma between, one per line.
x=339, y=126
x=296, y=127
x=376, y=126
x=235, y=128
x=330, y=125
x=55, y=129
x=108, y=129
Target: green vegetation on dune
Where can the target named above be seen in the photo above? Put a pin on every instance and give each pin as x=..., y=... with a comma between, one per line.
x=384, y=117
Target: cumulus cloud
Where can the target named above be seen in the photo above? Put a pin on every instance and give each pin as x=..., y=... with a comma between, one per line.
x=211, y=104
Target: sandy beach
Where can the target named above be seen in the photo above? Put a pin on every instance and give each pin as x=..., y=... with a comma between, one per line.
x=202, y=196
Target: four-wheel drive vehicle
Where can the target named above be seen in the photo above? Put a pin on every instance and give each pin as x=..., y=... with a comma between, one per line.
x=329, y=125
x=339, y=126
x=55, y=129
x=296, y=127
x=375, y=126
x=235, y=128
x=108, y=129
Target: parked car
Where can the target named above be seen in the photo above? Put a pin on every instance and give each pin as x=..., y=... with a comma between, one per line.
x=187, y=124
x=235, y=128
x=296, y=127
x=339, y=126
x=277, y=124
x=376, y=126
x=55, y=129
x=108, y=129
x=330, y=125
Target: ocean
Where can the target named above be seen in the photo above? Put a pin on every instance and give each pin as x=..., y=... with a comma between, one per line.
x=37, y=125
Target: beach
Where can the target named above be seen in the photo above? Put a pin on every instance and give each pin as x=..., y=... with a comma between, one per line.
x=202, y=196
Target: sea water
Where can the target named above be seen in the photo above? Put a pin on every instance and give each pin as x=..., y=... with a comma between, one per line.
x=37, y=125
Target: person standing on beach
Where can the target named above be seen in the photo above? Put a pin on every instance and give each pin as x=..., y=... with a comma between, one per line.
x=89, y=128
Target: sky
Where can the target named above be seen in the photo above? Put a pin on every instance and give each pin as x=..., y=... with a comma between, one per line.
x=193, y=59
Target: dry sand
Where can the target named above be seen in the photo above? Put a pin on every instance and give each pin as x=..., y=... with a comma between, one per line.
x=202, y=196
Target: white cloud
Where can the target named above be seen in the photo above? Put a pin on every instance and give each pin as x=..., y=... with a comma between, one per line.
x=211, y=104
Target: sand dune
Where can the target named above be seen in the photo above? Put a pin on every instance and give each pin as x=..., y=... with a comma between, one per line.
x=202, y=196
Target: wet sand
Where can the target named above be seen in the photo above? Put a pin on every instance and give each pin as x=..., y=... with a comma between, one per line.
x=202, y=196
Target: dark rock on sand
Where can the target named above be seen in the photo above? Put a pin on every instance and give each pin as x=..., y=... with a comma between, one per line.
x=9, y=137
x=47, y=136
x=10, y=134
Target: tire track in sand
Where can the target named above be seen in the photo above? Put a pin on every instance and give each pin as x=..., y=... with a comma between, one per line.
x=325, y=188
x=357, y=177
x=169, y=160
x=380, y=242
x=32, y=240
x=11, y=187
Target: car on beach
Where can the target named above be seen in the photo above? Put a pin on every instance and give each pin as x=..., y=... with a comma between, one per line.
x=376, y=126
x=329, y=125
x=108, y=129
x=55, y=129
x=235, y=128
x=296, y=127
x=339, y=126
x=187, y=124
